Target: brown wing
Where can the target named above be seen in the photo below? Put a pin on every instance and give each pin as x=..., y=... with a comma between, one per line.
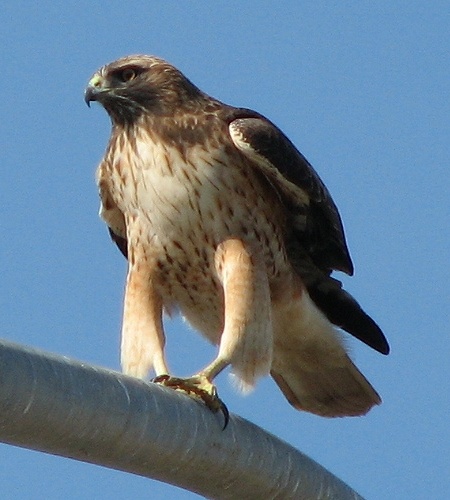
x=315, y=218
x=315, y=241
x=111, y=214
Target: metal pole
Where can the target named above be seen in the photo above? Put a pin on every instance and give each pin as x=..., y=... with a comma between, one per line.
x=60, y=406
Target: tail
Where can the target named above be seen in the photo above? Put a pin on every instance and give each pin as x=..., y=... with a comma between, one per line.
x=311, y=366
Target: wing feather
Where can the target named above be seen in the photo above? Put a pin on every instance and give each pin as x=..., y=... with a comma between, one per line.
x=315, y=242
x=316, y=220
x=111, y=214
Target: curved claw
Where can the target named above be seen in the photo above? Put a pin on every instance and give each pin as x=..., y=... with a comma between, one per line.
x=225, y=413
x=199, y=388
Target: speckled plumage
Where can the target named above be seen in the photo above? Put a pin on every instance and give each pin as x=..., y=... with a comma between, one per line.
x=212, y=224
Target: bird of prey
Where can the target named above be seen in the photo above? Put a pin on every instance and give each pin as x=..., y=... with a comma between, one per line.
x=222, y=218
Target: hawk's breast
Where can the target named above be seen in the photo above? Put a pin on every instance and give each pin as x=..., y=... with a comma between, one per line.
x=187, y=203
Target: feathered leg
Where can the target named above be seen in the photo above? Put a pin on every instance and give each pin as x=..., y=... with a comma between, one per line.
x=246, y=341
x=143, y=337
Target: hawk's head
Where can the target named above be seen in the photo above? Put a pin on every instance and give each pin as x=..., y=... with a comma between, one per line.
x=137, y=85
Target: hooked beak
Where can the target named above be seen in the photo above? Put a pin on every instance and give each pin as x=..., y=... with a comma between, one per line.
x=93, y=89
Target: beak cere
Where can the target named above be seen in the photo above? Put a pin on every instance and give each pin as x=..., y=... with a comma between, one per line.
x=93, y=88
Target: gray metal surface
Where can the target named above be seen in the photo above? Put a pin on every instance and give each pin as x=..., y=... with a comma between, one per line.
x=60, y=406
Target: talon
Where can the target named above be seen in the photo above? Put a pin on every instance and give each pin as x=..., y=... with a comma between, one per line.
x=199, y=388
x=225, y=413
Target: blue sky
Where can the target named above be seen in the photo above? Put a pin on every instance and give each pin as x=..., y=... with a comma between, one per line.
x=362, y=88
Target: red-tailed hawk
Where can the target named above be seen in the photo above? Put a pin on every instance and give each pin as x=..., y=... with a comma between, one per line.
x=221, y=217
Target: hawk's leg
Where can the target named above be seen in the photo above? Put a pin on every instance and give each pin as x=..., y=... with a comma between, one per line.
x=143, y=338
x=246, y=340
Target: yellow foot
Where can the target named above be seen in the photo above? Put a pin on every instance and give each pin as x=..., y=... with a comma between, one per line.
x=199, y=388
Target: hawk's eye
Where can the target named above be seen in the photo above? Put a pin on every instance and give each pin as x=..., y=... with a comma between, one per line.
x=127, y=75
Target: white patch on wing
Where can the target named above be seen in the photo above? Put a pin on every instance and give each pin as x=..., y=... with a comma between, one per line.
x=272, y=173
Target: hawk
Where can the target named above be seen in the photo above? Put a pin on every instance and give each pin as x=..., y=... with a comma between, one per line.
x=222, y=218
